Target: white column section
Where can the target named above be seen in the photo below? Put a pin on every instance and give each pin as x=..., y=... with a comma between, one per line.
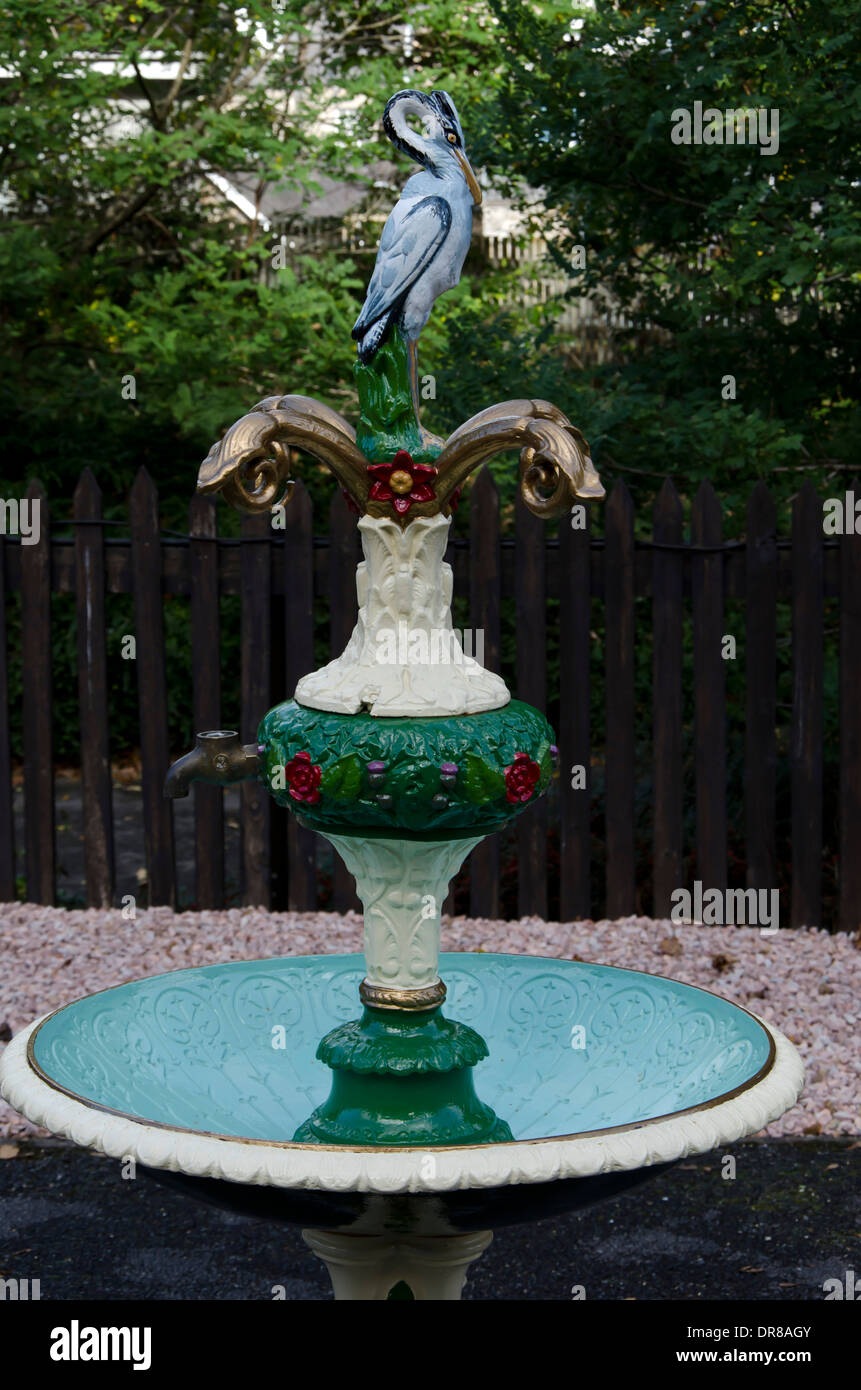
x=366, y=1268
x=402, y=885
x=404, y=657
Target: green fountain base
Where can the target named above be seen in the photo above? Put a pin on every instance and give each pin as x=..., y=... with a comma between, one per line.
x=402, y=1078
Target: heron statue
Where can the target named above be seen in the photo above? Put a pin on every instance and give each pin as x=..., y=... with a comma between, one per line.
x=427, y=235
x=388, y=466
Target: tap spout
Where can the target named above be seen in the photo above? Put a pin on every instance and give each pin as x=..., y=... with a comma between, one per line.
x=218, y=758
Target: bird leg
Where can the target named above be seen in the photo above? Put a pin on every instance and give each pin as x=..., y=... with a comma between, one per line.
x=430, y=442
x=414, y=381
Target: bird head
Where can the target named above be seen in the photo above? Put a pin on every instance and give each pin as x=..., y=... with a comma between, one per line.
x=440, y=144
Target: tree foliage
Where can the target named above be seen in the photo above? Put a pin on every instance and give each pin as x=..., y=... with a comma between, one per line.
x=121, y=258
x=723, y=261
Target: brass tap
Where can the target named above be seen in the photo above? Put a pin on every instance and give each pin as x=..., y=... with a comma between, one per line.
x=218, y=758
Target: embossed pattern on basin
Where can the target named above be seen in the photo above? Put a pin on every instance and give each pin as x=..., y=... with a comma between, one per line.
x=194, y=1049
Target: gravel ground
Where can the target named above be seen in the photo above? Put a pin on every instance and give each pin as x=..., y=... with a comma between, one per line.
x=808, y=982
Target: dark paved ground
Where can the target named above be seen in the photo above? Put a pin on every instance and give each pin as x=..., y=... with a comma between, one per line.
x=789, y=1220
x=129, y=852
x=129, y=843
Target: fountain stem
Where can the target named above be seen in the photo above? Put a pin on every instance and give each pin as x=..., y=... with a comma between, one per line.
x=402, y=885
x=402, y=1073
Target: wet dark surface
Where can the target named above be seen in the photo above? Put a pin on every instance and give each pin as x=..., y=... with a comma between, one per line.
x=789, y=1220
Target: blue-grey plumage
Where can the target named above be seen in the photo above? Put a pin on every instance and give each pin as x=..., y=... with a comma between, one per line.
x=426, y=238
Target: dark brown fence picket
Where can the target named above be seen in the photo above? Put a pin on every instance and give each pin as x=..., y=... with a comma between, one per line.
x=760, y=739
x=707, y=579
x=344, y=554
x=619, y=702
x=485, y=579
x=36, y=683
x=96, y=791
x=850, y=722
x=152, y=688
x=807, y=712
x=667, y=730
x=299, y=660
x=7, y=817
x=255, y=680
x=530, y=605
x=206, y=694
x=575, y=735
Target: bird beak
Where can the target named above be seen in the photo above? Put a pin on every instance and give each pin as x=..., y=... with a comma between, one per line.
x=471, y=180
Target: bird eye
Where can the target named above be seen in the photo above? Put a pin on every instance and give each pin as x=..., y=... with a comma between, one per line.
x=452, y=139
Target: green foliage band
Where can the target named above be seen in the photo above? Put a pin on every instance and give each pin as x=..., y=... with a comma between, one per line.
x=422, y=776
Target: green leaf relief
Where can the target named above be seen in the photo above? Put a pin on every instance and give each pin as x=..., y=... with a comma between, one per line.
x=342, y=781
x=478, y=781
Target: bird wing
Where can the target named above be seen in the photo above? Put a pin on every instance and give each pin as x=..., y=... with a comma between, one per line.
x=410, y=240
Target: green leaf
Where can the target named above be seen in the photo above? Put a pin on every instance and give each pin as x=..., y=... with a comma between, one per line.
x=545, y=762
x=343, y=779
x=478, y=781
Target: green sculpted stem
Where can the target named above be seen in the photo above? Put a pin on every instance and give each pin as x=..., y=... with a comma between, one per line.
x=387, y=419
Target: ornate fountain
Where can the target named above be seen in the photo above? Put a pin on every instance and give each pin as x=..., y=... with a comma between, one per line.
x=404, y=753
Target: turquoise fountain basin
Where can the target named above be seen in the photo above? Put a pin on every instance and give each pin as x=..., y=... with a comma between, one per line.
x=604, y=1075
x=229, y=1049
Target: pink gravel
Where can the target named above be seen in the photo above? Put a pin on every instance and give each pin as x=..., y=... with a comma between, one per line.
x=808, y=982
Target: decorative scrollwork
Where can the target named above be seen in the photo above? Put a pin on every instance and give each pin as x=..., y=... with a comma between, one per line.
x=250, y=465
x=555, y=464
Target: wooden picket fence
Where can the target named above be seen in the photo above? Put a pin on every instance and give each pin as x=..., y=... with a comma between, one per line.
x=683, y=582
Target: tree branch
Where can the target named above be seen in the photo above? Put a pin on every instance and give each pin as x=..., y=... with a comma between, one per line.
x=188, y=48
x=120, y=217
x=674, y=197
x=147, y=93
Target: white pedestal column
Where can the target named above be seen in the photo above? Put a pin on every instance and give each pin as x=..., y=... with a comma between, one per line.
x=402, y=885
x=368, y=1267
x=404, y=657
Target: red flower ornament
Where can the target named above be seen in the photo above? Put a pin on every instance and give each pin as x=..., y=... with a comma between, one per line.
x=401, y=482
x=303, y=778
x=521, y=777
